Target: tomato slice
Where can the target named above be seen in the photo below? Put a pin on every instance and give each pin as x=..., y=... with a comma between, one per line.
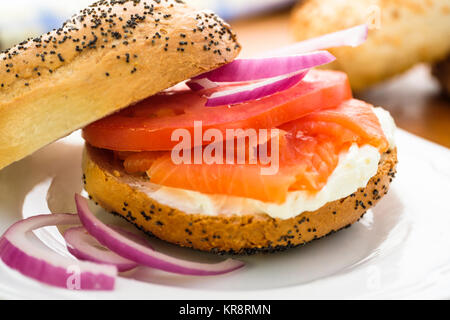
x=148, y=125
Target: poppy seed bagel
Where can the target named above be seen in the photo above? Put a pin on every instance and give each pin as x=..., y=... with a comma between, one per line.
x=108, y=185
x=110, y=55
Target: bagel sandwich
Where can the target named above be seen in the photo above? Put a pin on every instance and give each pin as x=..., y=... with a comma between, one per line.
x=153, y=152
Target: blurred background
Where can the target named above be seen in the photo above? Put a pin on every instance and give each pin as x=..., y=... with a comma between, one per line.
x=417, y=97
x=23, y=18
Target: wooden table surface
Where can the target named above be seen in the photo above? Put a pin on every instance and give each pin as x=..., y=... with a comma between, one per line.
x=414, y=98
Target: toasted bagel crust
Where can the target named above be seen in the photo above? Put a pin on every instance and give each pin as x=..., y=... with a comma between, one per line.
x=109, y=56
x=108, y=185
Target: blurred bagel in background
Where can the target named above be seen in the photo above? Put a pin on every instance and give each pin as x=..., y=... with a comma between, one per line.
x=403, y=33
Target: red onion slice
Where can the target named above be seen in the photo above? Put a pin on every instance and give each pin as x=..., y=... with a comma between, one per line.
x=264, y=68
x=85, y=247
x=280, y=66
x=254, y=91
x=21, y=252
x=351, y=37
x=145, y=256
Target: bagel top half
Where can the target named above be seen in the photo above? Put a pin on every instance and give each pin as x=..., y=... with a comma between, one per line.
x=107, y=57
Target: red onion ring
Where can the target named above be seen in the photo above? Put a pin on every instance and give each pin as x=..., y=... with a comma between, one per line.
x=85, y=247
x=145, y=256
x=254, y=91
x=280, y=63
x=25, y=255
x=264, y=68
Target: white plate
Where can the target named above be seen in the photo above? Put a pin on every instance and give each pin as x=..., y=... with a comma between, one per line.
x=401, y=249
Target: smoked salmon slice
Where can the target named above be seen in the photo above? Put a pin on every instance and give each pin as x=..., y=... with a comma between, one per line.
x=309, y=152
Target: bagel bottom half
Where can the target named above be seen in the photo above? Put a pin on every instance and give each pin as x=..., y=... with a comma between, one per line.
x=111, y=187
